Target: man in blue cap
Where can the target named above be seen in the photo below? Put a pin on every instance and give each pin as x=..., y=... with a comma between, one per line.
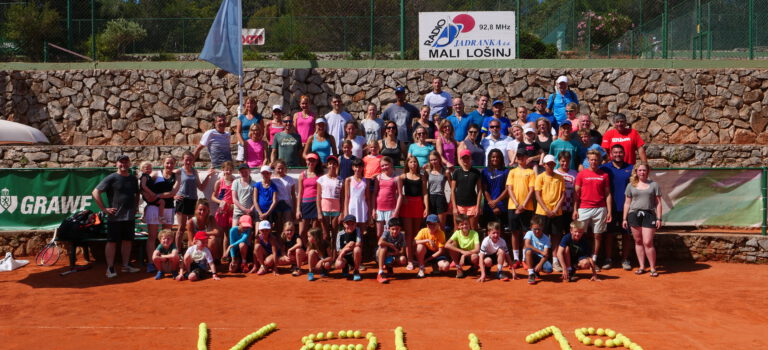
x=498, y=114
x=540, y=110
x=403, y=114
x=349, y=245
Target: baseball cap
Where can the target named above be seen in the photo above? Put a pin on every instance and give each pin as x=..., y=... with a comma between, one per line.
x=266, y=168
x=465, y=153
x=320, y=120
x=243, y=166
x=432, y=219
x=497, y=102
x=528, y=129
x=562, y=79
x=399, y=89
x=332, y=158
x=277, y=108
x=201, y=235
x=350, y=218
x=566, y=122
x=541, y=99
x=122, y=157
x=549, y=159
x=394, y=222
x=265, y=225
x=312, y=156
x=246, y=221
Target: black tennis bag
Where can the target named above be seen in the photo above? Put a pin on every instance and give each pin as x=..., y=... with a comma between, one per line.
x=81, y=225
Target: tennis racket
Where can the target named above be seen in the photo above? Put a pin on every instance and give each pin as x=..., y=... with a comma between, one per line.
x=50, y=253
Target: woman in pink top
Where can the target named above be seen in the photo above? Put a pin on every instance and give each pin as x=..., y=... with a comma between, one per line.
x=304, y=120
x=306, y=210
x=255, y=147
x=276, y=125
x=446, y=144
x=386, y=194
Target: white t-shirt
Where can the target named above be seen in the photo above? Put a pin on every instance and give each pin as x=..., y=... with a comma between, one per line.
x=218, y=146
x=284, y=186
x=488, y=247
x=357, y=146
x=438, y=103
x=202, y=257
x=502, y=144
x=331, y=188
x=570, y=180
x=373, y=129
x=336, y=122
x=538, y=243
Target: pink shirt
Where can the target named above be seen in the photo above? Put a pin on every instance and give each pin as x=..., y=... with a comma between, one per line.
x=305, y=125
x=449, y=150
x=387, y=198
x=254, y=153
x=310, y=188
x=274, y=130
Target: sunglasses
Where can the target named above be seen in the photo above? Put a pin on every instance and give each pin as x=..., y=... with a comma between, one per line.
x=421, y=133
x=391, y=127
x=287, y=121
x=571, y=111
x=472, y=131
x=494, y=126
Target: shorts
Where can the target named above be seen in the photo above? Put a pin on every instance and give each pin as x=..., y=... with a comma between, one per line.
x=282, y=207
x=152, y=215
x=120, y=231
x=520, y=222
x=595, y=218
x=309, y=210
x=186, y=206
x=350, y=259
x=199, y=271
x=331, y=213
x=642, y=218
x=494, y=258
x=614, y=226
x=384, y=215
x=412, y=207
x=468, y=210
x=437, y=204
x=551, y=225
x=565, y=221
x=467, y=260
x=536, y=258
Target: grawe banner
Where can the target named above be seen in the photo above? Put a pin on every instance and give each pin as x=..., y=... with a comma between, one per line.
x=42, y=198
x=721, y=197
x=482, y=35
x=253, y=36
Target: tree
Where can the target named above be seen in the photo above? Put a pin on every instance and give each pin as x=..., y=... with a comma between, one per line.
x=30, y=26
x=117, y=36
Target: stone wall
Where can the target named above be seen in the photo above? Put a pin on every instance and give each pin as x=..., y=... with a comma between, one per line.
x=173, y=107
x=671, y=246
x=659, y=155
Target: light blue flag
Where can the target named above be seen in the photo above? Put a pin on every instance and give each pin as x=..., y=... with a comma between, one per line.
x=223, y=46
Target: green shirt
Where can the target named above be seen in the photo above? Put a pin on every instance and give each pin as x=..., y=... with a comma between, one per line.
x=288, y=147
x=468, y=242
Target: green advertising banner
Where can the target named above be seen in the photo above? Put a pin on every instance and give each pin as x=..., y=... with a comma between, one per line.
x=42, y=198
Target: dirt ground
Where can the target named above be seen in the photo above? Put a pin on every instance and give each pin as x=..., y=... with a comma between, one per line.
x=690, y=306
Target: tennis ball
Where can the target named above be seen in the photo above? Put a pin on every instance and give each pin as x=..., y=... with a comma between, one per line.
x=329, y=335
x=342, y=334
x=610, y=332
x=609, y=343
x=335, y=347
x=626, y=342
x=599, y=343
x=350, y=333
x=318, y=346
x=358, y=334
x=320, y=336
x=371, y=347
x=343, y=347
x=326, y=346
x=359, y=347
x=311, y=337
x=586, y=341
x=529, y=339
x=600, y=332
x=368, y=335
x=591, y=331
x=584, y=330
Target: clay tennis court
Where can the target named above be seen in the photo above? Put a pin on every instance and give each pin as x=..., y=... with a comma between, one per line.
x=690, y=306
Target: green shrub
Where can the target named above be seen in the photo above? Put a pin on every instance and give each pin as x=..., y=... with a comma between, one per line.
x=354, y=53
x=163, y=56
x=297, y=52
x=251, y=54
x=113, y=42
x=29, y=26
x=531, y=47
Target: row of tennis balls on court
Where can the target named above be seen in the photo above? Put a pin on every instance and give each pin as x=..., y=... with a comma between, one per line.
x=474, y=343
x=309, y=341
x=546, y=332
x=616, y=339
x=202, y=339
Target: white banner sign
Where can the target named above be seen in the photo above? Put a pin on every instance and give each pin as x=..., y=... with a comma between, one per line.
x=486, y=35
x=253, y=36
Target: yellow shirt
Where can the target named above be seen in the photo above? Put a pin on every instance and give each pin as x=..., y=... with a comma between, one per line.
x=521, y=181
x=552, y=189
x=438, y=237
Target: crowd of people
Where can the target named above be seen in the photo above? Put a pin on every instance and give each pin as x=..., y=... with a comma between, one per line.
x=541, y=190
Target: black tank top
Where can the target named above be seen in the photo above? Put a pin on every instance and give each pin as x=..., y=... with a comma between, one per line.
x=413, y=188
x=393, y=153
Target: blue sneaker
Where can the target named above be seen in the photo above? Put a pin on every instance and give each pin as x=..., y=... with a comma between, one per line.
x=357, y=277
x=159, y=275
x=311, y=277
x=151, y=268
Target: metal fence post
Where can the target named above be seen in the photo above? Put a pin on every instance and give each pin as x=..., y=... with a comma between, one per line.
x=372, y=29
x=764, y=185
x=517, y=28
x=402, y=29
x=93, y=29
x=664, y=30
x=69, y=24
x=751, y=29
x=183, y=34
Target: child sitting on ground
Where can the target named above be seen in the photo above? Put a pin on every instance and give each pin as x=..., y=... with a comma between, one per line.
x=349, y=245
x=430, y=246
x=463, y=247
x=575, y=252
x=240, y=238
x=291, y=244
x=198, y=261
x=494, y=251
x=265, y=250
x=536, y=250
x=318, y=254
x=391, y=250
x=166, y=256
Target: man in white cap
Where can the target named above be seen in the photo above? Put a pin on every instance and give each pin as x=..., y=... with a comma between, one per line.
x=336, y=119
x=561, y=98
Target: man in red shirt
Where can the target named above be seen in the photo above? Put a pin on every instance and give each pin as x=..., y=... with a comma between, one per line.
x=626, y=137
x=592, y=199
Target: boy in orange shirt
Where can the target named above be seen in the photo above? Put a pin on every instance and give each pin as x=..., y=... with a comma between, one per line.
x=520, y=186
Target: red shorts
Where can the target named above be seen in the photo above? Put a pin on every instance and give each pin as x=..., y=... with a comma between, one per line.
x=413, y=207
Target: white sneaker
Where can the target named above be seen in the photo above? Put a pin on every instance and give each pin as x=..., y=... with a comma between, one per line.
x=129, y=268
x=557, y=267
x=111, y=272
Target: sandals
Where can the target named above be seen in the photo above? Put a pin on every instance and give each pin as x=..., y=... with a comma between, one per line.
x=654, y=273
x=639, y=271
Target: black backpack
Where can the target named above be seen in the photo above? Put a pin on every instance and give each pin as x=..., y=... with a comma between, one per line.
x=81, y=225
